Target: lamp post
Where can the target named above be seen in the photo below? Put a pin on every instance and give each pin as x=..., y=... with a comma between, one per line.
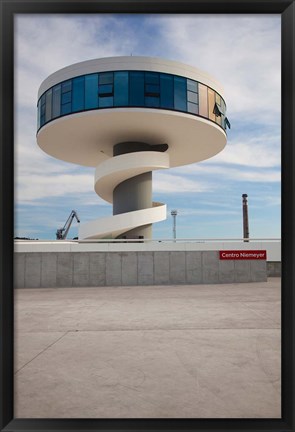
x=174, y=214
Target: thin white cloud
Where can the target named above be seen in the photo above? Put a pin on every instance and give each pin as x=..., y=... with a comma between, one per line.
x=260, y=152
x=40, y=187
x=46, y=43
x=207, y=212
x=222, y=173
x=242, y=52
x=170, y=183
x=267, y=200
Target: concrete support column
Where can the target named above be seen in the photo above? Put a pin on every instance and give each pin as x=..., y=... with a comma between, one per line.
x=135, y=193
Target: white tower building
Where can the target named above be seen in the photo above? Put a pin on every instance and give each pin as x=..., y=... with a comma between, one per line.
x=129, y=116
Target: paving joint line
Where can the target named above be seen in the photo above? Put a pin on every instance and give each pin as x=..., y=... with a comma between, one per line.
x=45, y=349
x=259, y=314
x=168, y=329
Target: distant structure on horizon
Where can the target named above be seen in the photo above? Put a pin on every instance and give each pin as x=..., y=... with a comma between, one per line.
x=128, y=116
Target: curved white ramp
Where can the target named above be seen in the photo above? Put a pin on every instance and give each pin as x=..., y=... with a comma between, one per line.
x=113, y=226
x=108, y=175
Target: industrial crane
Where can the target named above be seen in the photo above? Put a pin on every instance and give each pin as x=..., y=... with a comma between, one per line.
x=61, y=233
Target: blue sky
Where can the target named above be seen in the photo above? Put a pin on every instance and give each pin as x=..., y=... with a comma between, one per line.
x=241, y=51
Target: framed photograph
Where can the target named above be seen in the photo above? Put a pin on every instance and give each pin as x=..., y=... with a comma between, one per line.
x=118, y=337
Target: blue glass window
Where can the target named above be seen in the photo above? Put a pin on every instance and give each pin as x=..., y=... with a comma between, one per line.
x=106, y=78
x=105, y=90
x=192, y=86
x=121, y=89
x=136, y=89
x=180, y=93
x=152, y=78
x=38, y=114
x=133, y=89
x=192, y=108
x=105, y=102
x=56, y=99
x=192, y=97
x=66, y=108
x=66, y=97
x=66, y=86
x=78, y=94
x=48, y=105
x=167, y=97
x=42, y=110
x=91, y=86
x=152, y=90
x=151, y=101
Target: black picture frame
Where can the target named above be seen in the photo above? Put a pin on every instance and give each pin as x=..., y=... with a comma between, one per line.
x=287, y=10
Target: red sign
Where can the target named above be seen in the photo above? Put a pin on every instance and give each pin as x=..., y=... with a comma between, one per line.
x=242, y=255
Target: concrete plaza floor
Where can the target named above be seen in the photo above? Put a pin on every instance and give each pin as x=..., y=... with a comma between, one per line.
x=198, y=351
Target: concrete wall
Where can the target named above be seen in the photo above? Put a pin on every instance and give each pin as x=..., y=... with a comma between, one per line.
x=273, y=248
x=274, y=269
x=86, y=269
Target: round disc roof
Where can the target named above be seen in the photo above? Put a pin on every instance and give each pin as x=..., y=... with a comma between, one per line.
x=87, y=138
